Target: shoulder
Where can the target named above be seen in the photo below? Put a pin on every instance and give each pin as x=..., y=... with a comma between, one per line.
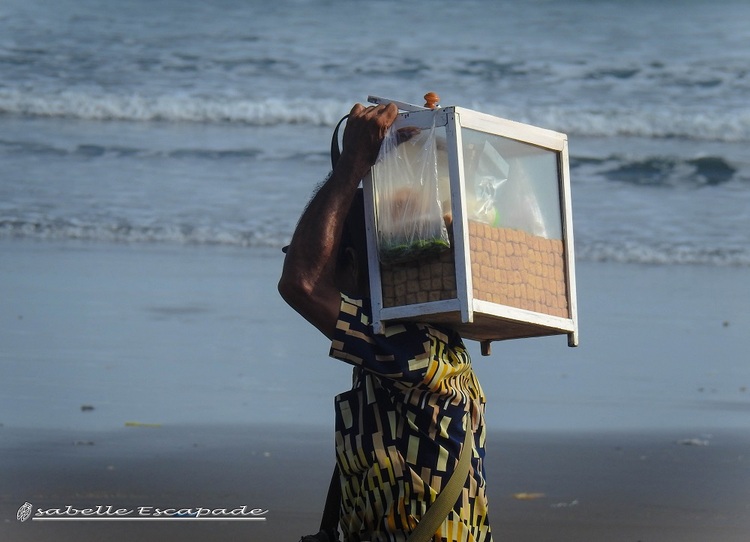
x=403, y=350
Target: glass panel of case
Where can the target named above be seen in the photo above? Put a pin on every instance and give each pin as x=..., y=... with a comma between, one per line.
x=515, y=223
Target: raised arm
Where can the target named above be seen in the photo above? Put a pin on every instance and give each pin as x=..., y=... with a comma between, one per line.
x=309, y=278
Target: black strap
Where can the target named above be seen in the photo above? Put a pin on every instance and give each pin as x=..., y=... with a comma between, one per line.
x=335, y=152
x=330, y=520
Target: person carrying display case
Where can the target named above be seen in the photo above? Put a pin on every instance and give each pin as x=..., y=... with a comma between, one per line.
x=412, y=426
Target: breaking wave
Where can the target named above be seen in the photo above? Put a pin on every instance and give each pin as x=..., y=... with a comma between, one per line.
x=122, y=231
x=638, y=253
x=705, y=124
x=248, y=236
x=179, y=108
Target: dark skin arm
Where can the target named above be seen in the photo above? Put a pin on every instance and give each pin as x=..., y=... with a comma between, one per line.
x=309, y=281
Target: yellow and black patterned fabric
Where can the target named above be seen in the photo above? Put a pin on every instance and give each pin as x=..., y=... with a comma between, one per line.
x=400, y=429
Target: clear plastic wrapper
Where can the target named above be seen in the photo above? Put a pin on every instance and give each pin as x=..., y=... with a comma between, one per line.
x=408, y=203
x=490, y=174
x=509, y=185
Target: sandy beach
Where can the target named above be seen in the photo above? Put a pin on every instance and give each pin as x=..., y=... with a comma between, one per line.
x=152, y=376
x=155, y=156
x=544, y=486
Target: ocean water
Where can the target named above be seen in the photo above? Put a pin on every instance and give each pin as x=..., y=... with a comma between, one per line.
x=154, y=155
x=182, y=122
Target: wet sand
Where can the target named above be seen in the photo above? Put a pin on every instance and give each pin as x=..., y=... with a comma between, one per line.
x=641, y=433
x=552, y=487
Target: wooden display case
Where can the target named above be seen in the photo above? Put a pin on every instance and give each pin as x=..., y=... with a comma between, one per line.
x=509, y=272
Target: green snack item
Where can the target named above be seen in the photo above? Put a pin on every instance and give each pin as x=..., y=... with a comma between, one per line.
x=413, y=251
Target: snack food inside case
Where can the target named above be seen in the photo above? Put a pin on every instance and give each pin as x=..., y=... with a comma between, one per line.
x=469, y=225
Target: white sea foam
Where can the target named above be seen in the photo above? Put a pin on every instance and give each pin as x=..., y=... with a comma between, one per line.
x=122, y=231
x=175, y=108
x=706, y=124
x=656, y=254
x=139, y=126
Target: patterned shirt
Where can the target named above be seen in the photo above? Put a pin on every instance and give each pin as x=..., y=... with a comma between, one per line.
x=400, y=430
